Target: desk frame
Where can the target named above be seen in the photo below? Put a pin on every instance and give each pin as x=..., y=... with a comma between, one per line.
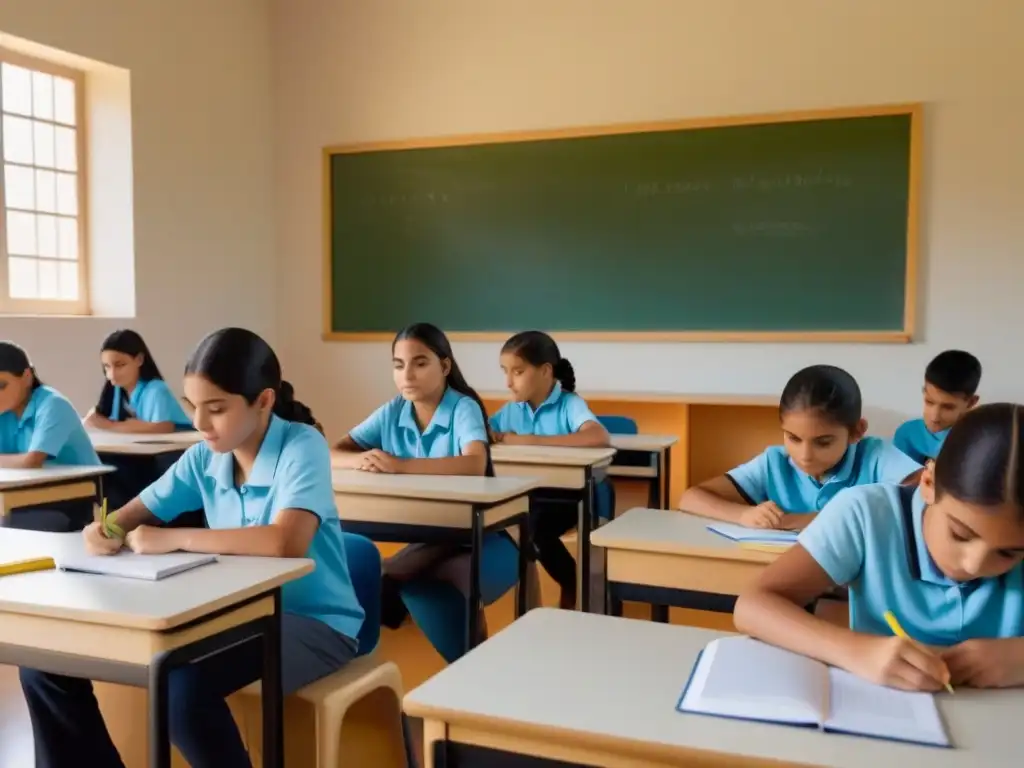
x=40, y=494
x=657, y=484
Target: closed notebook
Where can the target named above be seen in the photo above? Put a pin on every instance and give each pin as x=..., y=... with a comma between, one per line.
x=757, y=535
x=129, y=565
x=742, y=678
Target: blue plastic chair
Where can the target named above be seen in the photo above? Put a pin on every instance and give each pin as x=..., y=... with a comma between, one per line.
x=619, y=425
x=364, y=566
x=604, y=493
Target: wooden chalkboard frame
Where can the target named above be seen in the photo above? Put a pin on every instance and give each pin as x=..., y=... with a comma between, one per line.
x=904, y=336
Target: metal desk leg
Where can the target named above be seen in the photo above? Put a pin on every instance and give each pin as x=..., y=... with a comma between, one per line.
x=525, y=546
x=273, y=692
x=473, y=603
x=584, y=525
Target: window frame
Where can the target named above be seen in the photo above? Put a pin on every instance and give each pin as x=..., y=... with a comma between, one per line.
x=49, y=307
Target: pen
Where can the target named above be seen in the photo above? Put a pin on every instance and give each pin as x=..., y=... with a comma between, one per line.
x=110, y=528
x=897, y=630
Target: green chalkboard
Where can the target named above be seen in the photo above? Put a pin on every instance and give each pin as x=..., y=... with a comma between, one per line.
x=792, y=228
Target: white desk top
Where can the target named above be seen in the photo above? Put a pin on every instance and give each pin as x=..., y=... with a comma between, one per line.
x=14, y=479
x=551, y=455
x=133, y=603
x=473, y=490
x=643, y=442
x=142, y=445
x=612, y=681
x=689, y=398
x=672, y=532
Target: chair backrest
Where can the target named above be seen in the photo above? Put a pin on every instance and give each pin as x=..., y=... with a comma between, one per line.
x=618, y=425
x=364, y=566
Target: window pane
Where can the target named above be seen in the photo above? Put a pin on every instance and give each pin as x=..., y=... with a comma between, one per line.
x=67, y=238
x=16, y=89
x=43, y=143
x=67, y=149
x=47, y=279
x=46, y=191
x=67, y=194
x=68, y=272
x=17, y=140
x=22, y=278
x=21, y=233
x=64, y=100
x=46, y=232
x=42, y=95
x=19, y=187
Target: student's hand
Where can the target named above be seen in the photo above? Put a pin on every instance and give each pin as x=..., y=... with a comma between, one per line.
x=381, y=461
x=986, y=663
x=511, y=438
x=797, y=522
x=96, y=421
x=898, y=663
x=764, y=515
x=98, y=543
x=150, y=540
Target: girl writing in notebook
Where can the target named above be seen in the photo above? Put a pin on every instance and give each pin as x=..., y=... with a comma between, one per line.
x=944, y=558
x=263, y=475
x=435, y=426
x=824, y=450
x=546, y=410
x=135, y=398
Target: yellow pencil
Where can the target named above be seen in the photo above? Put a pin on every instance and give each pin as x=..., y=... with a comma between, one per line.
x=27, y=566
x=897, y=630
x=110, y=528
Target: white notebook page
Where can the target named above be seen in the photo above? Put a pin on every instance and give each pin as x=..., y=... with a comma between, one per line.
x=860, y=707
x=761, y=535
x=127, y=564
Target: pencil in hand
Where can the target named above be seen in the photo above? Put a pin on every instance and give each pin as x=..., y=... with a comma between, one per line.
x=894, y=625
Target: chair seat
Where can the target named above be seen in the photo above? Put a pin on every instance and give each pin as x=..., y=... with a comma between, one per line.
x=348, y=684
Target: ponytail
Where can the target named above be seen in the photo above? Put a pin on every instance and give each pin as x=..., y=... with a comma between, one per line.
x=565, y=374
x=290, y=409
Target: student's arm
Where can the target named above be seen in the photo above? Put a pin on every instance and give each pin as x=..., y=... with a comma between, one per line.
x=894, y=466
x=473, y=461
x=29, y=460
x=53, y=426
x=591, y=435
x=740, y=497
x=350, y=452
x=347, y=454
x=139, y=427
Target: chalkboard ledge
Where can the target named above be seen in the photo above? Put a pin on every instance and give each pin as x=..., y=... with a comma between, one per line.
x=689, y=337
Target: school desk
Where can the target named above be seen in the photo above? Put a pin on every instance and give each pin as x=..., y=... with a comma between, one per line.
x=667, y=557
x=564, y=474
x=435, y=509
x=124, y=444
x=49, y=484
x=565, y=689
x=657, y=449
x=135, y=632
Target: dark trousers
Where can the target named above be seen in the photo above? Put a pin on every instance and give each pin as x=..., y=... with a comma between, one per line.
x=69, y=731
x=550, y=521
x=55, y=517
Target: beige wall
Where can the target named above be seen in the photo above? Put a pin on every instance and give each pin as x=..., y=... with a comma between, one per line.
x=349, y=71
x=204, y=255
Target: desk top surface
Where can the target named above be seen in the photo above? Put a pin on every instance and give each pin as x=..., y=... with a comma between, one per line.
x=613, y=684
x=643, y=442
x=142, y=445
x=475, y=490
x=134, y=603
x=551, y=455
x=13, y=479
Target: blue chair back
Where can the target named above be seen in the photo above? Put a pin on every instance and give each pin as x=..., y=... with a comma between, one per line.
x=618, y=425
x=364, y=566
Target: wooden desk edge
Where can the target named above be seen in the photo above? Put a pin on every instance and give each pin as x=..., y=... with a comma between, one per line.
x=613, y=544
x=450, y=498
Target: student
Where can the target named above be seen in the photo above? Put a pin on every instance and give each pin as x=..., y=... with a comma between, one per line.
x=824, y=451
x=950, y=385
x=945, y=558
x=263, y=475
x=135, y=398
x=547, y=411
x=435, y=426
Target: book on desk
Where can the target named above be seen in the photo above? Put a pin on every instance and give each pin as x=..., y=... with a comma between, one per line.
x=742, y=534
x=745, y=679
x=133, y=566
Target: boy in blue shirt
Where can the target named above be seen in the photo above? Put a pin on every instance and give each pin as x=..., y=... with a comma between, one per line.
x=950, y=383
x=944, y=558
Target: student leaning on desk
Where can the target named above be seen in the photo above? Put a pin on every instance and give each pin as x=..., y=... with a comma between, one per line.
x=824, y=451
x=263, y=475
x=944, y=558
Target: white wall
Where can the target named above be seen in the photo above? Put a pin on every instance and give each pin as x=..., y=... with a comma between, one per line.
x=203, y=197
x=351, y=70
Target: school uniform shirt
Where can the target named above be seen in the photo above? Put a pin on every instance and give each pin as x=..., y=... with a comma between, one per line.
x=292, y=471
x=772, y=476
x=49, y=424
x=871, y=538
x=150, y=401
x=914, y=439
x=561, y=413
x=457, y=422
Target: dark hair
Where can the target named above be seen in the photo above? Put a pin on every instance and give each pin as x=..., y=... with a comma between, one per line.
x=537, y=349
x=14, y=359
x=824, y=388
x=980, y=460
x=954, y=371
x=434, y=339
x=127, y=342
x=241, y=363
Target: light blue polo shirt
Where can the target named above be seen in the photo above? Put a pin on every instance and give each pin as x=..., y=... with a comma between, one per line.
x=151, y=401
x=562, y=413
x=914, y=439
x=457, y=422
x=772, y=476
x=49, y=424
x=292, y=471
x=871, y=538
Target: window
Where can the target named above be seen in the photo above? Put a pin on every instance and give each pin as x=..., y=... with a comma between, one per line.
x=42, y=205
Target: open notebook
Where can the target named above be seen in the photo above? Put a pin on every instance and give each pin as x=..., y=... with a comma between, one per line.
x=132, y=566
x=746, y=679
x=757, y=535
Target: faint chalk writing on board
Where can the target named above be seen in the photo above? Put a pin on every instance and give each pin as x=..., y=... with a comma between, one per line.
x=771, y=228
x=659, y=188
x=818, y=178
